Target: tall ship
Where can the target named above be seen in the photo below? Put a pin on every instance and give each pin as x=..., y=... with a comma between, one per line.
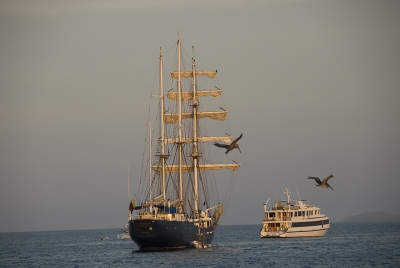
x=178, y=205
x=293, y=218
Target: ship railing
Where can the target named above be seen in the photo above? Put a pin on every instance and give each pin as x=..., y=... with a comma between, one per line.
x=275, y=228
x=282, y=218
x=161, y=216
x=145, y=215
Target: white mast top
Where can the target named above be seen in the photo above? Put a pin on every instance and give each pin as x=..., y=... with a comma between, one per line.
x=287, y=192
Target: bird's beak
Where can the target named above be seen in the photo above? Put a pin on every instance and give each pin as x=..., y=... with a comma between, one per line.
x=239, y=149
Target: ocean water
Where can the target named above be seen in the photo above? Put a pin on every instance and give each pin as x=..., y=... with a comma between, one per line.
x=345, y=245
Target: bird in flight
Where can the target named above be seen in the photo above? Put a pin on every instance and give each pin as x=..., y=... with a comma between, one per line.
x=324, y=183
x=230, y=147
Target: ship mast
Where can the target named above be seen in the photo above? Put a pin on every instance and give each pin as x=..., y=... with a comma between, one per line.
x=150, y=184
x=129, y=188
x=162, y=128
x=178, y=139
x=195, y=153
x=180, y=123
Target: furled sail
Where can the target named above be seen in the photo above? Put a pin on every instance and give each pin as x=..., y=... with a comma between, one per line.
x=188, y=95
x=189, y=168
x=190, y=74
x=173, y=118
x=226, y=139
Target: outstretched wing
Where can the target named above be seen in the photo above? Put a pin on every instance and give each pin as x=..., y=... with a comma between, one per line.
x=238, y=138
x=222, y=145
x=315, y=178
x=327, y=178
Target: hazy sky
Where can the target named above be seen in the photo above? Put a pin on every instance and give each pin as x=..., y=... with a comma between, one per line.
x=313, y=85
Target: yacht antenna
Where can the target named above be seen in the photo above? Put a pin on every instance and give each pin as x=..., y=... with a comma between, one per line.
x=297, y=191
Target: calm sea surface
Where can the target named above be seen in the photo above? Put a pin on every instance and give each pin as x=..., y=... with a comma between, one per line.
x=345, y=245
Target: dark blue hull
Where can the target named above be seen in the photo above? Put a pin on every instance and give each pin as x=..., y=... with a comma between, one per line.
x=161, y=234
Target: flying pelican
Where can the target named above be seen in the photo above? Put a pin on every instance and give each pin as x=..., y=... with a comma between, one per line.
x=324, y=183
x=230, y=147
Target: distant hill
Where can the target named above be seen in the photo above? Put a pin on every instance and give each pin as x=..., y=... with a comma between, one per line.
x=376, y=216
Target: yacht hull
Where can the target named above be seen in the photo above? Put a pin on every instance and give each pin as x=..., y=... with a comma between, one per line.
x=296, y=232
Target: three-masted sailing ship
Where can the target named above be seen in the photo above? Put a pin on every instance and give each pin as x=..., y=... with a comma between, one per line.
x=180, y=207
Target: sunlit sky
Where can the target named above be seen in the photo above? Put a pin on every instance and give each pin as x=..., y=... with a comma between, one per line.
x=313, y=85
